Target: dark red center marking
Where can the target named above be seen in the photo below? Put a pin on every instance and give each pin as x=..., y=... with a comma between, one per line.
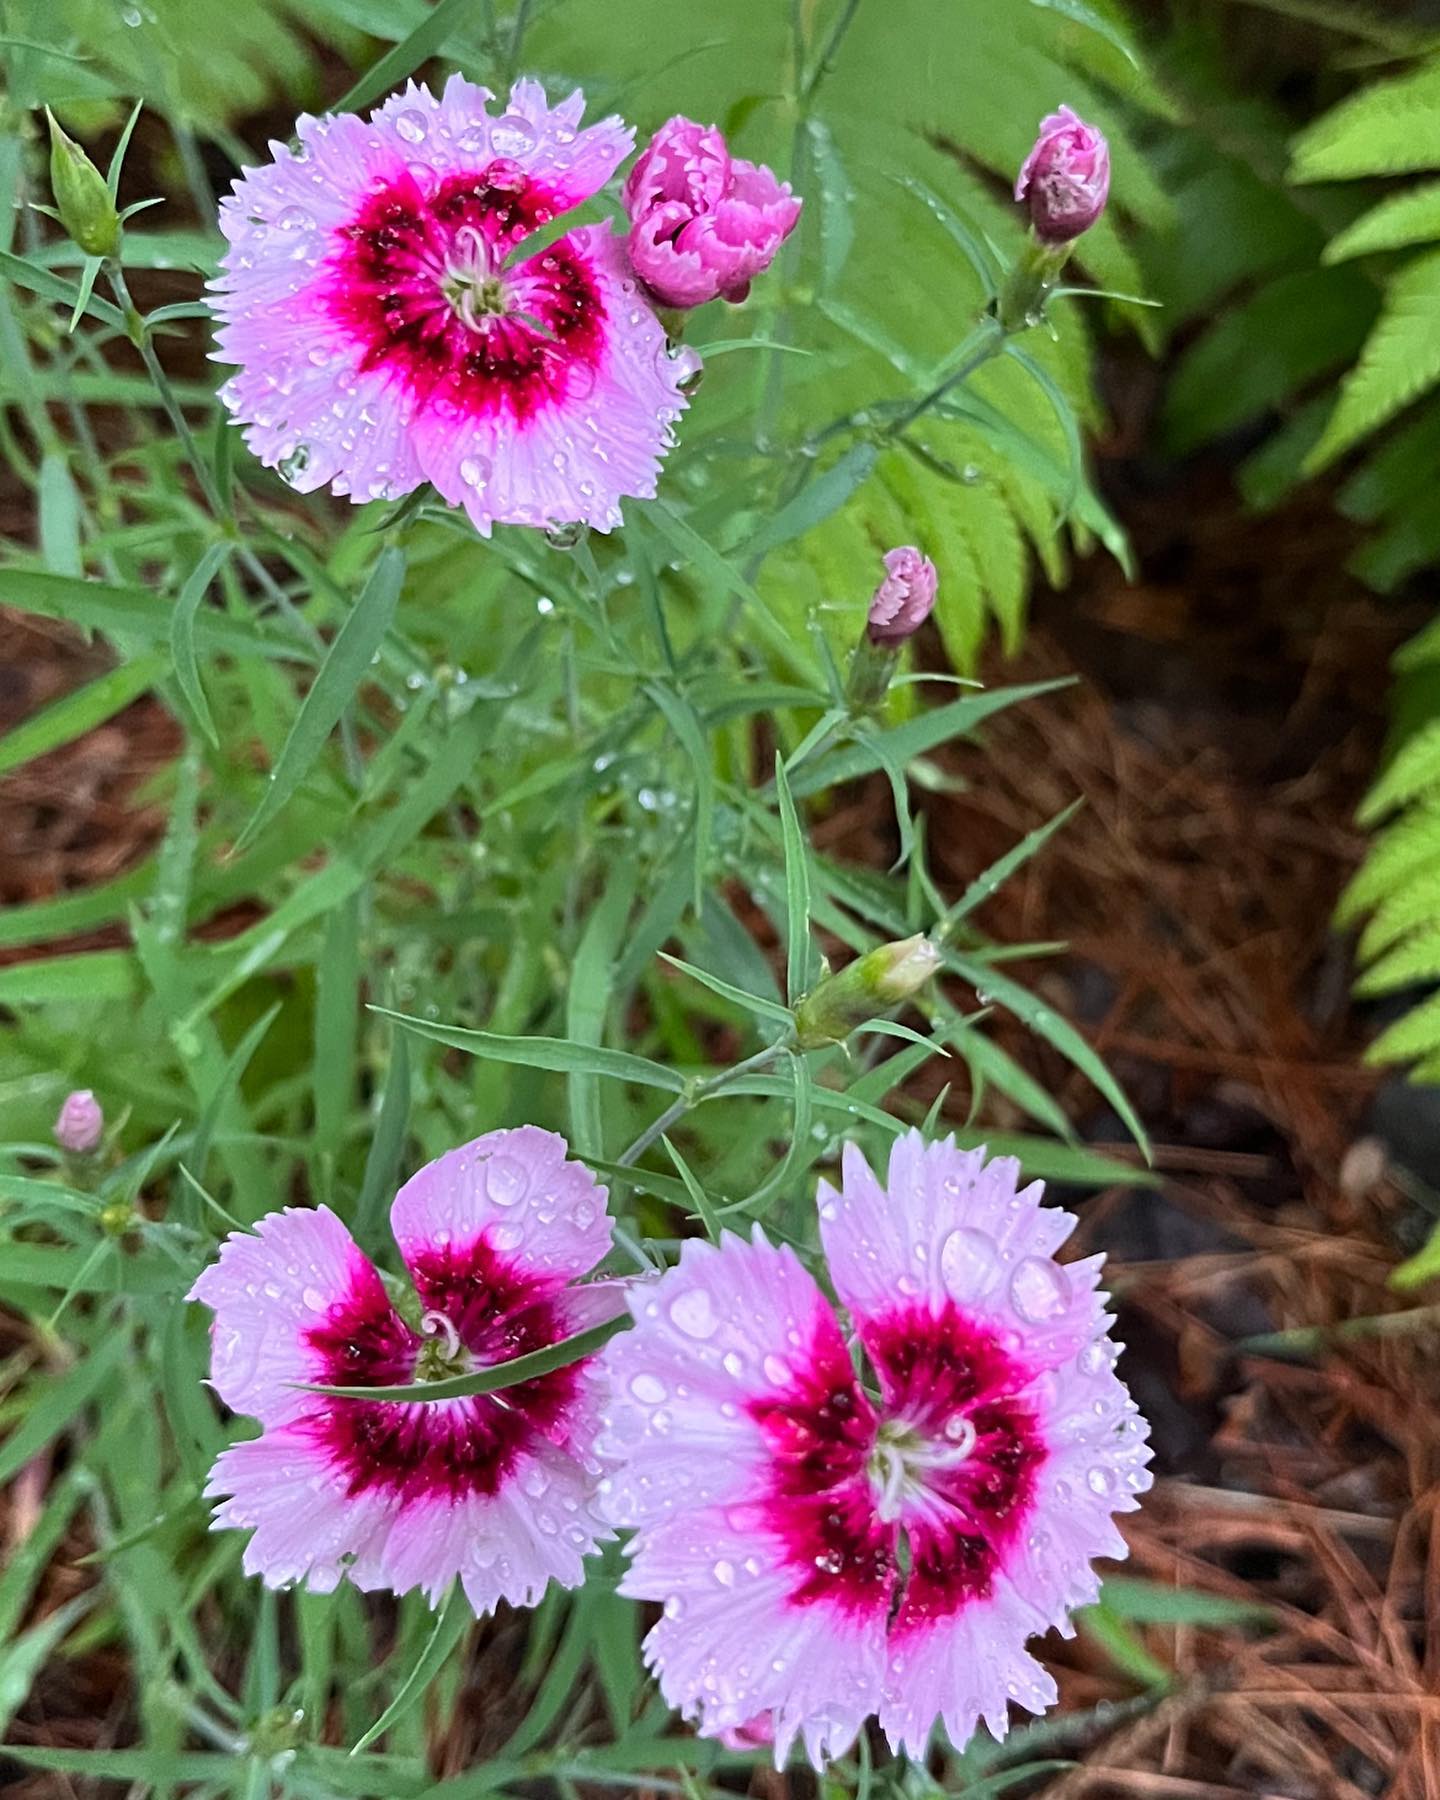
x=822, y=1503
x=455, y=1448
x=391, y=278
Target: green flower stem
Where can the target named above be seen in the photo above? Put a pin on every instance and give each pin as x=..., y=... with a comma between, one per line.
x=697, y=1092
x=985, y=341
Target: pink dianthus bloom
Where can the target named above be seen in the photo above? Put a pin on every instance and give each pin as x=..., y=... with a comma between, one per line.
x=771, y=1489
x=392, y=327
x=703, y=224
x=495, y=1490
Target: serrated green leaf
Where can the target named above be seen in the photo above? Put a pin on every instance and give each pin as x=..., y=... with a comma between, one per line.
x=1397, y=222
x=1400, y=361
x=1386, y=128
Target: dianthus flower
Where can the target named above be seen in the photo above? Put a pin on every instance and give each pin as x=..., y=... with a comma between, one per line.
x=823, y=1549
x=496, y=1489
x=392, y=325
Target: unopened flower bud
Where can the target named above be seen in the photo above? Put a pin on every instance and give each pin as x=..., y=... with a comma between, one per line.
x=703, y=223
x=1065, y=180
x=870, y=986
x=903, y=600
x=81, y=1124
x=900, y=606
x=82, y=199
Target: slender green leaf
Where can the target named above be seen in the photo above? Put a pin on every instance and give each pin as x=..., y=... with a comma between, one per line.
x=491, y=1378
x=557, y=1054
x=345, y=666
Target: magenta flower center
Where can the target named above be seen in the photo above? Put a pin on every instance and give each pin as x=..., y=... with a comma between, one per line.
x=479, y=1310
x=424, y=282
x=945, y=1461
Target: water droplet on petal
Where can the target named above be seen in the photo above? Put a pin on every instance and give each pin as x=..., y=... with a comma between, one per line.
x=412, y=126
x=475, y=471
x=314, y=1299
x=685, y=368
x=693, y=1313
x=649, y=1390
x=968, y=1262
x=724, y=1573
x=1099, y=1481
x=506, y=1181
x=1039, y=1289
x=777, y=1370
x=512, y=135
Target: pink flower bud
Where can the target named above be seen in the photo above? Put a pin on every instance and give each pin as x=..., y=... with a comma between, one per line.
x=903, y=599
x=1065, y=178
x=81, y=1124
x=757, y=1733
x=703, y=223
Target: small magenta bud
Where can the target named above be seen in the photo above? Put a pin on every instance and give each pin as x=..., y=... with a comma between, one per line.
x=1065, y=180
x=81, y=1124
x=703, y=223
x=82, y=199
x=873, y=984
x=903, y=599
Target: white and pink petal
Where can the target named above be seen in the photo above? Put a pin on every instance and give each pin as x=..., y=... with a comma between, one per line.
x=276, y=1294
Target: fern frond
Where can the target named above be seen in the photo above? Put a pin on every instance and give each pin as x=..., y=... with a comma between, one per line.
x=1415, y=960
x=1400, y=361
x=1387, y=128
x=1416, y=1035
x=1411, y=217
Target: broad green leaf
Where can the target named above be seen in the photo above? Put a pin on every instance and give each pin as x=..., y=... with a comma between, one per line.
x=815, y=502
x=1411, y=217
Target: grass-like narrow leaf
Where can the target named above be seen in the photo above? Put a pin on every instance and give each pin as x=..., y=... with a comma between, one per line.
x=344, y=668
x=495, y=1376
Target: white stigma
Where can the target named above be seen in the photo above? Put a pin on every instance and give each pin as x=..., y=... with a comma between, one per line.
x=433, y=1323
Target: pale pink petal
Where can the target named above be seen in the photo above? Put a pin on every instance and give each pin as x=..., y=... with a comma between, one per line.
x=741, y=1437
x=272, y=1290
x=950, y=1227
x=520, y=1193
x=307, y=1526
x=732, y=1643
x=715, y=1334
x=962, y=1672
x=537, y=1527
